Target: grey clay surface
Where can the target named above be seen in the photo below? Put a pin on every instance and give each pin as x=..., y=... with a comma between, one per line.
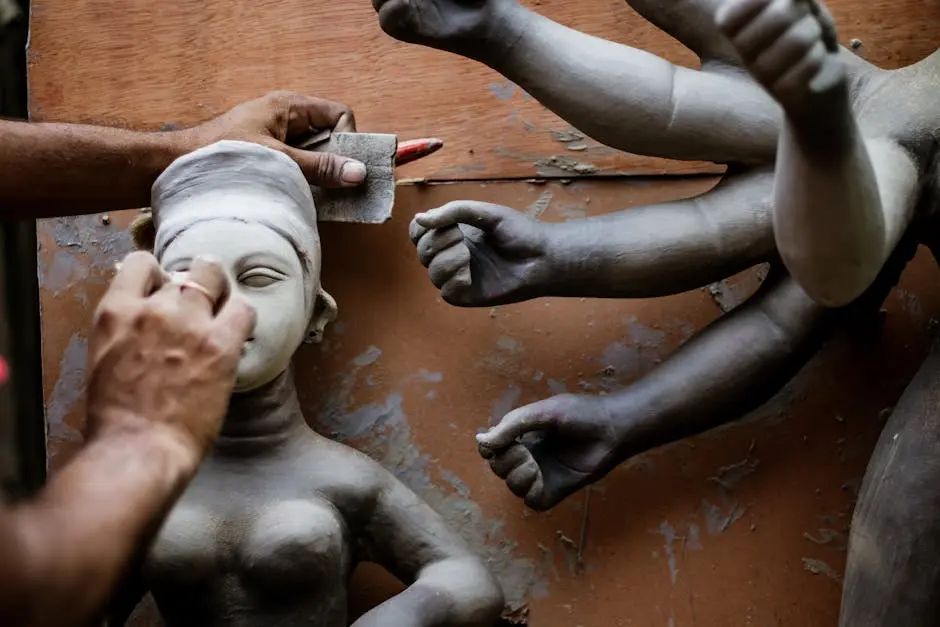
x=271, y=528
x=832, y=179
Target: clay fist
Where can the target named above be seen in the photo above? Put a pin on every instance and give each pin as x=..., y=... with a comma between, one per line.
x=789, y=46
x=452, y=25
x=571, y=442
x=479, y=254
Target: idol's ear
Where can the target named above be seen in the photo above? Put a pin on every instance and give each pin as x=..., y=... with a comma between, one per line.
x=324, y=312
x=144, y=231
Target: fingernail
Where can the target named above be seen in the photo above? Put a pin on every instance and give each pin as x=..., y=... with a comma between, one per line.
x=353, y=172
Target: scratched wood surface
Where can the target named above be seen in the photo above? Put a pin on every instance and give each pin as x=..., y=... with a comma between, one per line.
x=665, y=544
x=145, y=64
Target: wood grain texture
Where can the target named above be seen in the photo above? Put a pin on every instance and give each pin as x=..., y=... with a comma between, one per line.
x=664, y=541
x=146, y=64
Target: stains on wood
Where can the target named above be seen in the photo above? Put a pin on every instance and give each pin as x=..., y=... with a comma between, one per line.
x=161, y=64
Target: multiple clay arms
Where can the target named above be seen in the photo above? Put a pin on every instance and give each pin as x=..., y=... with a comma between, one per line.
x=481, y=255
x=830, y=178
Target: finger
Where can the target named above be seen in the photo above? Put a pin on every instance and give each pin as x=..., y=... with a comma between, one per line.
x=830, y=35
x=514, y=425
x=788, y=50
x=523, y=477
x=802, y=72
x=536, y=498
x=308, y=113
x=234, y=324
x=762, y=34
x=482, y=215
x=415, y=231
x=509, y=459
x=325, y=169
x=446, y=264
x=140, y=276
x=435, y=241
x=207, y=274
x=734, y=15
x=456, y=290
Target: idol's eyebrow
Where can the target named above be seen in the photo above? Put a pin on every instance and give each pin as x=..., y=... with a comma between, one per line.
x=264, y=258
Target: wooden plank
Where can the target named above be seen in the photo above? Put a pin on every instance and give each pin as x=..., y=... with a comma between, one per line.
x=146, y=64
x=661, y=542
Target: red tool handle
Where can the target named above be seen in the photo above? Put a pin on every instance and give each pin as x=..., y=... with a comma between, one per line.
x=415, y=149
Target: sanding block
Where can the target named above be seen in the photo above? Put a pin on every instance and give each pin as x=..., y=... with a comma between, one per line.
x=371, y=202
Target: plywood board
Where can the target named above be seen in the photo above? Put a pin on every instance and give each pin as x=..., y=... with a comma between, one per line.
x=414, y=378
x=148, y=64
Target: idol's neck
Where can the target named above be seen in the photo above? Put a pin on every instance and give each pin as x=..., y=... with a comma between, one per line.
x=262, y=420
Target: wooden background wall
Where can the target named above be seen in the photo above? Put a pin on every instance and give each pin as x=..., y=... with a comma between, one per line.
x=661, y=543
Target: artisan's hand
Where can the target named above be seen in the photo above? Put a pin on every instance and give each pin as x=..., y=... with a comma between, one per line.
x=282, y=119
x=163, y=357
x=574, y=444
x=458, y=26
x=790, y=47
x=479, y=254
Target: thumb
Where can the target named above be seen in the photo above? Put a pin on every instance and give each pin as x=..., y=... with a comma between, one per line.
x=483, y=215
x=514, y=425
x=325, y=169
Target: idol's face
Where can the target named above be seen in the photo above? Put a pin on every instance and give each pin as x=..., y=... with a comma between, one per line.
x=264, y=269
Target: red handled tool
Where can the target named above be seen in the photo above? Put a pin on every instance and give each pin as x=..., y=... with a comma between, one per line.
x=415, y=149
x=408, y=151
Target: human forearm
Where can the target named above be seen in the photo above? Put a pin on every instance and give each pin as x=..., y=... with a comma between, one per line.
x=667, y=248
x=456, y=592
x=78, y=538
x=70, y=169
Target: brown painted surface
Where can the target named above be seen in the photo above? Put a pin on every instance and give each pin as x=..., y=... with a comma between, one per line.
x=663, y=540
x=147, y=64
x=409, y=379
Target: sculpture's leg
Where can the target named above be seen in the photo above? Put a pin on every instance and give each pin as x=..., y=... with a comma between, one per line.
x=893, y=570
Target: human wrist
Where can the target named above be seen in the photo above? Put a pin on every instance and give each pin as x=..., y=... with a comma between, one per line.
x=169, y=453
x=174, y=144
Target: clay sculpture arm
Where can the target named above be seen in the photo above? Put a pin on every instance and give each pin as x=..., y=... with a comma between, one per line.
x=70, y=169
x=481, y=254
x=732, y=367
x=621, y=96
x=447, y=584
x=841, y=202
